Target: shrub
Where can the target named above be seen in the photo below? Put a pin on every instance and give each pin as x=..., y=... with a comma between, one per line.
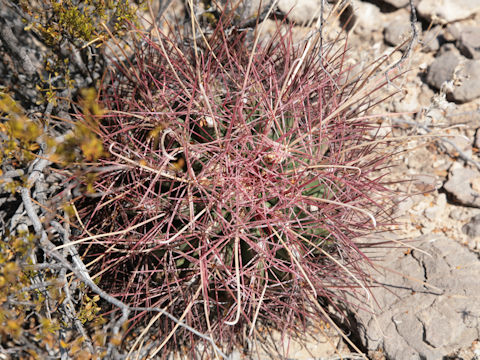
x=241, y=175
x=71, y=32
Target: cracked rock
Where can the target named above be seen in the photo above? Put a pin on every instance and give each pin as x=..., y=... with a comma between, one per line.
x=433, y=312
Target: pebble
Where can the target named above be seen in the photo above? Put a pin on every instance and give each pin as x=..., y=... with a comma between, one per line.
x=430, y=41
x=459, y=185
x=402, y=206
x=447, y=10
x=235, y=355
x=469, y=42
x=409, y=102
x=468, y=87
x=398, y=31
x=458, y=213
x=477, y=350
x=434, y=212
x=472, y=228
x=300, y=11
x=431, y=212
x=442, y=69
x=370, y=21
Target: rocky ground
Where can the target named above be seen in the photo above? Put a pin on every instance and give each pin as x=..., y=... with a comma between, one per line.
x=429, y=307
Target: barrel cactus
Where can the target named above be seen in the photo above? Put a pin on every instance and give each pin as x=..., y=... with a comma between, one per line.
x=240, y=175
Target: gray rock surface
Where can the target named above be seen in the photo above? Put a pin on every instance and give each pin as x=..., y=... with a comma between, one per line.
x=469, y=42
x=472, y=228
x=398, y=31
x=370, y=19
x=430, y=40
x=410, y=101
x=451, y=32
x=442, y=69
x=300, y=11
x=459, y=186
x=435, y=211
x=250, y=9
x=433, y=310
x=467, y=87
x=448, y=10
x=450, y=65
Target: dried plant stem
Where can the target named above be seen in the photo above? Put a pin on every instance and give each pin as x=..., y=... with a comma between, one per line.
x=66, y=289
